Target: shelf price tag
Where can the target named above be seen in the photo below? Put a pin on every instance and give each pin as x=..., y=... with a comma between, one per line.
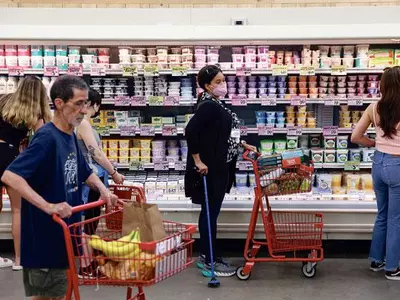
x=161, y=166
x=355, y=101
x=180, y=166
x=147, y=130
x=332, y=102
x=179, y=71
x=136, y=166
x=279, y=70
x=338, y=71
x=16, y=71
x=352, y=166
x=156, y=101
x=103, y=130
x=330, y=131
x=51, y=71
x=239, y=101
x=298, y=101
x=75, y=70
x=128, y=71
x=151, y=71
x=171, y=101
x=169, y=130
x=243, y=72
x=268, y=100
x=244, y=166
x=97, y=70
x=243, y=130
x=128, y=130
x=122, y=101
x=266, y=130
x=138, y=101
x=307, y=70
x=294, y=130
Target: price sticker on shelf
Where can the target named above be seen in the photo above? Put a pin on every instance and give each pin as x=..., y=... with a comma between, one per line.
x=128, y=71
x=298, y=101
x=138, y=101
x=240, y=72
x=156, y=101
x=243, y=130
x=97, y=70
x=266, y=130
x=103, y=130
x=16, y=71
x=239, y=100
x=136, y=166
x=169, y=130
x=147, y=130
x=122, y=101
x=352, y=166
x=332, y=102
x=180, y=166
x=244, y=166
x=330, y=131
x=151, y=71
x=75, y=70
x=268, y=100
x=338, y=70
x=179, y=71
x=279, y=70
x=355, y=101
x=161, y=166
x=294, y=130
x=128, y=130
x=307, y=70
x=172, y=101
x=51, y=71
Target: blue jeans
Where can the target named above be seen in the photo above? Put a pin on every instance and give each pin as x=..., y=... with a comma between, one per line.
x=386, y=235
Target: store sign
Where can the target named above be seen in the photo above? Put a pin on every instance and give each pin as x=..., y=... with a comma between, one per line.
x=128, y=71
x=97, y=70
x=239, y=100
x=147, y=130
x=156, y=101
x=51, y=71
x=298, y=101
x=75, y=70
x=161, y=166
x=122, y=101
x=16, y=71
x=151, y=71
x=355, y=101
x=352, y=166
x=294, y=130
x=330, y=131
x=279, y=70
x=138, y=101
x=180, y=166
x=307, y=71
x=179, y=71
x=128, y=130
x=240, y=72
x=338, y=71
x=266, y=130
x=244, y=166
x=171, y=101
x=268, y=100
x=169, y=130
x=243, y=130
x=136, y=166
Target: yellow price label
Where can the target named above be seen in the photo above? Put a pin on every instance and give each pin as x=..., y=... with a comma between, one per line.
x=151, y=70
x=156, y=101
x=179, y=71
x=278, y=70
x=338, y=70
x=307, y=70
x=129, y=71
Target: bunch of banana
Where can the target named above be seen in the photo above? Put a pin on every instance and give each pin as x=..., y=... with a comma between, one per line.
x=121, y=249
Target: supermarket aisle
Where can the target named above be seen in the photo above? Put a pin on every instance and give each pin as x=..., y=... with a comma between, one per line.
x=336, y=279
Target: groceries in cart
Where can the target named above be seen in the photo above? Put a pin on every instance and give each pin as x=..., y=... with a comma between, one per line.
x=287, y=173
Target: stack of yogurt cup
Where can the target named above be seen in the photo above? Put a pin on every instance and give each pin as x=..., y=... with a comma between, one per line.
x=158, y=151
x=11, y=54
x=186, y=88
x=148, y=87
x=89, y=58
x=174, y=88
x=161, y=86
x=138, y=85
x=200, y=57
x=184, y=149
x=121, y=89
x=74, y=56
x=49, y=59
x=361, y=60
x=24, y=56
x=125, y=55
x=37, y=57
x=173, y=151
x=2, y=57
x=61, y=56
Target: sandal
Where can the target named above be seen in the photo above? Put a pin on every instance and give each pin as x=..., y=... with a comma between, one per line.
x=17, y=267
x=5, y=263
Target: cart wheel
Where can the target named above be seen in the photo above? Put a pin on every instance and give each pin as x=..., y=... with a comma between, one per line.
x=309, y=273
x=241, y=275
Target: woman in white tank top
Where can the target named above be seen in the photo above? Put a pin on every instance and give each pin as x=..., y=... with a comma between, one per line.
x=385, y=115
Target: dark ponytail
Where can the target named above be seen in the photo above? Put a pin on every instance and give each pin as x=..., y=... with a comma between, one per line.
x=205, y=76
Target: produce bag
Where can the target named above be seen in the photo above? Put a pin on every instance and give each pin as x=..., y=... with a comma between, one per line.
x=146, y=218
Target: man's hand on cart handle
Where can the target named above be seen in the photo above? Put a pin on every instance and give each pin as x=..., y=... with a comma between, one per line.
x=249, y=147
x=64, y=210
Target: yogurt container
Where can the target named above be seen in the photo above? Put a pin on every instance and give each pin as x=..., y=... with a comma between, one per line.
x=24, y=61
x=355, y=154
x=342, y=155
x=241, y=180
x=292, y=142
x=329, y=156
x=342, y=141
x=37, y=62
x=368, y=154
x=317, y=155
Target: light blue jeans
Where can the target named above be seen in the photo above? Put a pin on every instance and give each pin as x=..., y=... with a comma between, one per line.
x=386, y=235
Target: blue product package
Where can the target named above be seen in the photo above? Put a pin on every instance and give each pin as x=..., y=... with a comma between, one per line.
x=292, y=153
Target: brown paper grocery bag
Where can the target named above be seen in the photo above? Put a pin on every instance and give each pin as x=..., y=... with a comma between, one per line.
x=143, y=217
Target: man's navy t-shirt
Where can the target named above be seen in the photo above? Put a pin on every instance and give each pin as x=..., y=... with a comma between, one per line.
x=55, y=168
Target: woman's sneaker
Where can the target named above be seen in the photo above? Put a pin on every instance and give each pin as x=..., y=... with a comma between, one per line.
x=201, y=261
x=220, y=270
x=393, y=275
x=377, y=266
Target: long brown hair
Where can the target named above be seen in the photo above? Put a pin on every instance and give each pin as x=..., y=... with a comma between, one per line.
x=27, y=105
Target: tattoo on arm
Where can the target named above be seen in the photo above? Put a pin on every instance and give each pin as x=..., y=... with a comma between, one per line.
x=92, y=151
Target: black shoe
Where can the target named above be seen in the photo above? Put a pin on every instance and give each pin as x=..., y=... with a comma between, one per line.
x=393, y=275
x=377, y=266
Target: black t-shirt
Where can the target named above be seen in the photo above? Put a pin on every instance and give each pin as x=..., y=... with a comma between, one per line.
x=12, y=135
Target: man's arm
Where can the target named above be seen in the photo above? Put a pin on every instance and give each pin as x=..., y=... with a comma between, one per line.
x=94, y=182
x=18, y=183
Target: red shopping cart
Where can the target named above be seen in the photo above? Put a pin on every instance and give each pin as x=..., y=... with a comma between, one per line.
x=290, y=236
x=123, y=261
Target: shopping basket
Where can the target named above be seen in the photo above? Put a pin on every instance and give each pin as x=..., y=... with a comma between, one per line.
x=290, y=236
x=124, y=261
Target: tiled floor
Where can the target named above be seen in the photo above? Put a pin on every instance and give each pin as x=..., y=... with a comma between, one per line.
x=337, y=279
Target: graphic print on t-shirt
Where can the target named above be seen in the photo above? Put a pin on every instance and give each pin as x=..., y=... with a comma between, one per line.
x=71, y=173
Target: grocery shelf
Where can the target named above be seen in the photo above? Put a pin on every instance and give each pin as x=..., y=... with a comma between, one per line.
x=363, y=165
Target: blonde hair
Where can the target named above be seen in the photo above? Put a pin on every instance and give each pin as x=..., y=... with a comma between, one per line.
x=27, y=105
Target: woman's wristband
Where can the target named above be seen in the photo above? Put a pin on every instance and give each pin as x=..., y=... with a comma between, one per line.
x=115, y=172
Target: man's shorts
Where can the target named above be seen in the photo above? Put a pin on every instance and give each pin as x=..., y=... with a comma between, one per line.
x=51, y=283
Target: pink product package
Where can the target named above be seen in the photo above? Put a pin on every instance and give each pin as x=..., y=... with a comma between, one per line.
x=200, y=50
x=250, y=50
x=200, y=58
x=11, y=50
x=263, y=49
x=237, y=50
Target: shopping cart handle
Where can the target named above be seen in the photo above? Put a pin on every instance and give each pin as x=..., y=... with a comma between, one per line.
x=246, y=155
